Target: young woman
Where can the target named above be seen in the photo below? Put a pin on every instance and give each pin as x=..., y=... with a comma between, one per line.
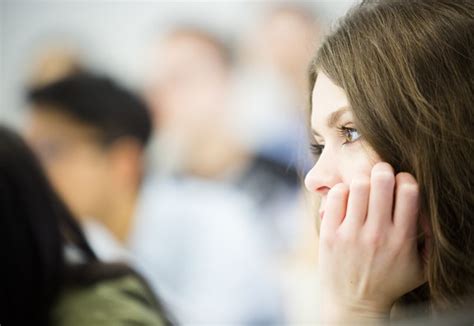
x=392, y=112
x=50, y=275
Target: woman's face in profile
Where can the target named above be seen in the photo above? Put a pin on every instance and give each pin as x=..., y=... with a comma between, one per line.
x=339, y=148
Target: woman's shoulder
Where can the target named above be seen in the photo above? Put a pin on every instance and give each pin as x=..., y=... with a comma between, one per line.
x=119, y=301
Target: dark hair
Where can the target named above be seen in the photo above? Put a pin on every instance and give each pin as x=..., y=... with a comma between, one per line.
x=36, y=229
x=97, y=102
x=407, y=68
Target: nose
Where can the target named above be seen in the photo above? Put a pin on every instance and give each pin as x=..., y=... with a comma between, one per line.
x=323, y=176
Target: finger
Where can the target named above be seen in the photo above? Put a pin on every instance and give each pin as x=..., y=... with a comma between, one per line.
x=335, y=208
x=382, y=183
x=406, y=203
x=358, y=201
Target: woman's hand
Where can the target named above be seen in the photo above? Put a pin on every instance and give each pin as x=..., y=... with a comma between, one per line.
x=368, y=255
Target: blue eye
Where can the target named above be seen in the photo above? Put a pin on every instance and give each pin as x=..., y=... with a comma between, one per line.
x=350, y=135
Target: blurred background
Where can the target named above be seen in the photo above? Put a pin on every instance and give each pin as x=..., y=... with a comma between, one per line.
x=211, y=208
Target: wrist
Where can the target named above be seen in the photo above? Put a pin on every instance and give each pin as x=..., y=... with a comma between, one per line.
x=361, y=312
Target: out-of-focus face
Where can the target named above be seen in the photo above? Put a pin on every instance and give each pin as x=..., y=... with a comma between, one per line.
x=189, y=85
x=289, y=40
x=342, y=153
x=74, y=161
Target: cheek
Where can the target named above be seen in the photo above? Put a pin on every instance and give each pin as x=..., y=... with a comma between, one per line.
x=355, y=161
x=351, y=163
x=79, y=180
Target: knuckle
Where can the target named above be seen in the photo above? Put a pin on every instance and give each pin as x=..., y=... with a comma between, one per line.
x=344, y=236
x=338, y=190
x=360, y=184
x=405, y=177
x=373, y=239
x=326, y=240
x=382, y=167
x=409, y=189
x=383, y=178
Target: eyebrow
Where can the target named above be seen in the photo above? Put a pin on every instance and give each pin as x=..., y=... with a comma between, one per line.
x=333, y=119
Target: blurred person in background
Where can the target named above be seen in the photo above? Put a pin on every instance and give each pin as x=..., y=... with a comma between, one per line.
x=188, y=92
x=53, y=62
x=192, y=95
x=270, y=101
x=273, y=58
x=272, y=92
x=91, y=136
x=197, y=252
x=51, y=275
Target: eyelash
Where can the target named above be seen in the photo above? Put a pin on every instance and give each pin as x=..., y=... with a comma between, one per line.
x=345, y=132
x=317, y=149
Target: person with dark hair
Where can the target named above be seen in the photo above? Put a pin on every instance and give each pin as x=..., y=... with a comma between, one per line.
x=51, y=276
x=91, y=134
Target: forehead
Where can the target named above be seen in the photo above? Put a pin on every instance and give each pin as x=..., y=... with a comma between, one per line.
x=187, y=49
x=51, y=121
x=327, y=98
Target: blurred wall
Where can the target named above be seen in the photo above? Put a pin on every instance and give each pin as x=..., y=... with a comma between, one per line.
x=113, y=37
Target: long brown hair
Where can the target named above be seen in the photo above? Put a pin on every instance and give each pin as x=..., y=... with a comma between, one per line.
x=407, y=67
